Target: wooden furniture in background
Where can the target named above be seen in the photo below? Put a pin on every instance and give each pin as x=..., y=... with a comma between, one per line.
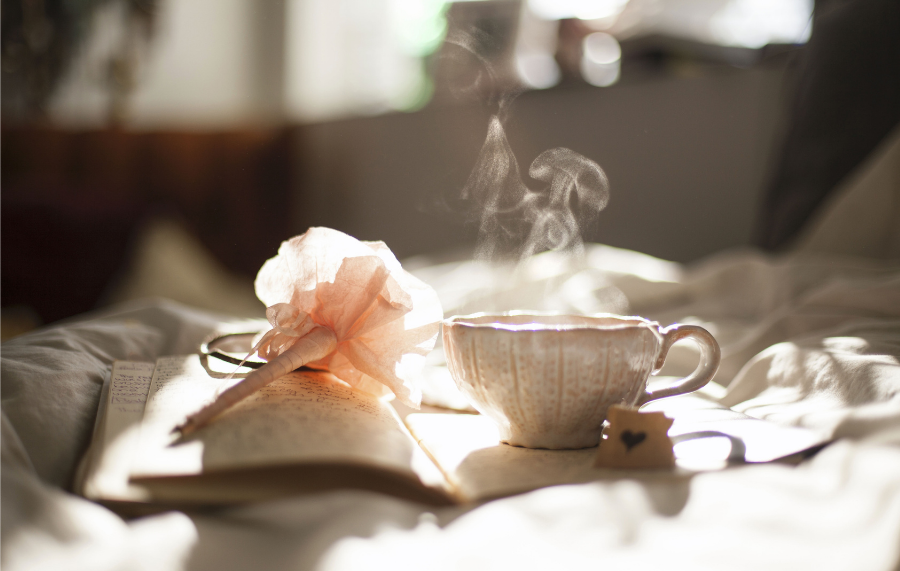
x=73, y=202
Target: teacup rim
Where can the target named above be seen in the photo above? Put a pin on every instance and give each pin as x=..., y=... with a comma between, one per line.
x=627, y=321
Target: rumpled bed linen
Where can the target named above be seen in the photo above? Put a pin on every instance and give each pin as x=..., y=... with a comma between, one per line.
x=807, y=340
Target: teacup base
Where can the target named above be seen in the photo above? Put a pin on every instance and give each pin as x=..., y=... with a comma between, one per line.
x=548, y=441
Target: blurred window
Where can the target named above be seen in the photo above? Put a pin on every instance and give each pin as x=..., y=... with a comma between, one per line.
x=359, y=56
x=223, y=63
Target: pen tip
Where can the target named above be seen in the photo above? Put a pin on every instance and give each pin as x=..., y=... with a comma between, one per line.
x=184, y=429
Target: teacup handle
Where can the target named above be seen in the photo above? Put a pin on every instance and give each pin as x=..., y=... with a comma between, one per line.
x=710, y=355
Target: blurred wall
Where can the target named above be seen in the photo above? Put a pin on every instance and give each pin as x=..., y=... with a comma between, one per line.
x=209, y=140
x=686, y=158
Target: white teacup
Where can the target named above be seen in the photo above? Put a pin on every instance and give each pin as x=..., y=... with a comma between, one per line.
x=548, y=380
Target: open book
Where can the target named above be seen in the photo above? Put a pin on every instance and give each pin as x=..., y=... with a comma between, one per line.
x=309, y=432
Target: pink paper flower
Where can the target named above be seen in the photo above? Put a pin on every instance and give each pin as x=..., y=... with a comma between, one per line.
x=343, y=306
x=384, y=319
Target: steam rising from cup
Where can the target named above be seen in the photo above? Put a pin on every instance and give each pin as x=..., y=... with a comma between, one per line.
x=516, y=221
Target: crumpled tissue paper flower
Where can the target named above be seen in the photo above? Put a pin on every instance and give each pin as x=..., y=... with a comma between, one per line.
x=340, y=305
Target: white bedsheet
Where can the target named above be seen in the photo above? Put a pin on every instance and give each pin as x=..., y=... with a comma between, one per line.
x=809, y=342
x=811, y=339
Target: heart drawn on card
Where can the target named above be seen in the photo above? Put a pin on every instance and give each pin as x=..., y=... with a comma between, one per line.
x=632, y=439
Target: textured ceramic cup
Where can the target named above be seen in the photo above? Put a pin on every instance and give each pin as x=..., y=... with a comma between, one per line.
x=548, y=380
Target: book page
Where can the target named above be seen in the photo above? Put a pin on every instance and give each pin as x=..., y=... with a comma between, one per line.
x=302, y=418
x=118, y=430
x=468, y=450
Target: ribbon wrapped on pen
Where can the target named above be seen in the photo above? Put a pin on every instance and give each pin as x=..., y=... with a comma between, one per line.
x=344, y=306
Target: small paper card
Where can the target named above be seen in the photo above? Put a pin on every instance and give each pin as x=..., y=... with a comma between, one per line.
x=635, y=439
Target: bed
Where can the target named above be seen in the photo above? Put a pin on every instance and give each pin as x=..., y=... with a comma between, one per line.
x=810, y=337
